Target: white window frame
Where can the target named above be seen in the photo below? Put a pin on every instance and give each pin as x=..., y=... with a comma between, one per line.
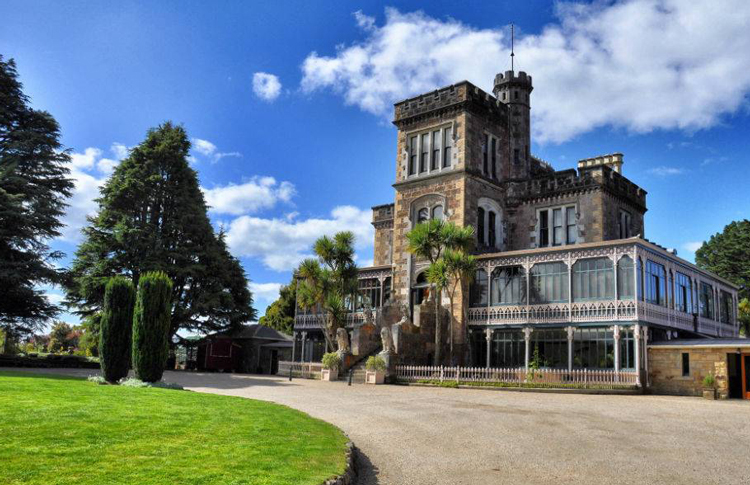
x=551, y=227
x=430, y=151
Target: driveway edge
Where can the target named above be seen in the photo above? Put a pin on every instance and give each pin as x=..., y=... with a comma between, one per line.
x=349, y=477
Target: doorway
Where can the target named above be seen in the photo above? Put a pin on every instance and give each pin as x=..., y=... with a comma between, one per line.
x=734, y=375
x=746, y=376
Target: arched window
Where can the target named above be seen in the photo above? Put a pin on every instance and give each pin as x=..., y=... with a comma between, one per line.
x=625, y=279
x=549, y=283
x=423, y=215
x=478, y=293
x=508, y=286
x=593, y=279
x=480, y=226
x=437, y=212
x=491, y=236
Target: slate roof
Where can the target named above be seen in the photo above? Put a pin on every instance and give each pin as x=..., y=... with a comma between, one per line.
x=254, y=331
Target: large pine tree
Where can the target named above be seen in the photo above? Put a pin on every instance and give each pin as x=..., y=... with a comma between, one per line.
x=153, y=217
x=34, y=184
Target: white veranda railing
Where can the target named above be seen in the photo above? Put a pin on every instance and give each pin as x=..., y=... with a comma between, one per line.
x=552, y=377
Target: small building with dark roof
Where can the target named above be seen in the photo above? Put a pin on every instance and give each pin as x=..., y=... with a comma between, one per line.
x=253, y=349
x=679, y=366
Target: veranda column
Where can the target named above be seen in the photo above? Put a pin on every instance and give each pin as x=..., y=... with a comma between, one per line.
x=294, y=345
x=302, y=356
x=616, y=333
x=637, y=342
x=527, y=337
x=645, y=353
x=571, y=334
x=488, y=336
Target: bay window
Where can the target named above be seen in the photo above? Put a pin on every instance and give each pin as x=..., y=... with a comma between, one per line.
x=549, y=283
x=593, y=279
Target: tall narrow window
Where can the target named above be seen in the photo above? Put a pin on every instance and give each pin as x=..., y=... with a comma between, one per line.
x=437, y=212
x=494, y=158
x=425, y=153
x=625, y=279
x=682, y=300
x=557, y=227
x=485, y=150
x=727, y=307
x=706, y=300
x=570, y=225
x=685, y=364
x=543, y=229
x=478, y=292
x=656, y=282
x=447, y=144
x=413, y=155
x=491, y=229
x=624, y=224
x=435, y=162
x=480, y=227
x=423, y=215
x=516, y=155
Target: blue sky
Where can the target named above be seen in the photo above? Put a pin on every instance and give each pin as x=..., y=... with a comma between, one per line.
x=289, y=102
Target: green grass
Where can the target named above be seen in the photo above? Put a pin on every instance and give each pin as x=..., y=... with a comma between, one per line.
x=58, y=430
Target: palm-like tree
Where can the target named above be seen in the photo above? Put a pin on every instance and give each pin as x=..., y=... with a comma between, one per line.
x=429, y=240
x=326, y=282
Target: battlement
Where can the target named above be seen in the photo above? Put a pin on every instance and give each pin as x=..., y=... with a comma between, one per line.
x=455, y=95
x=602, y=176
x=382, y=213
x=510, y=78
x=613, y=160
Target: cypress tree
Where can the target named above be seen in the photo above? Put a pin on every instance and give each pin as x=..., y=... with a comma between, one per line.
x=116, y=328
x=151, y=326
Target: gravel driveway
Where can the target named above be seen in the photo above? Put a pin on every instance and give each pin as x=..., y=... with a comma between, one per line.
x=416, y=435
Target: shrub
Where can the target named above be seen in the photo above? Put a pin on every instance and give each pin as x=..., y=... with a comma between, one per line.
x=140, y=384
x=375, y=364
x=709, y=382
x=115, y=334
x=331, y=360
x=151, y=319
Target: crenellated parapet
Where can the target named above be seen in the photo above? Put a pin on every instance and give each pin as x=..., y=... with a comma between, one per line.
x=455, y=97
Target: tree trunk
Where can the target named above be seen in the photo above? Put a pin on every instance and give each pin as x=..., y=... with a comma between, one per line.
x=8, y=341
x=438, y=329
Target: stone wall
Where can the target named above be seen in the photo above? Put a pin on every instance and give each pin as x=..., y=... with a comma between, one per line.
x=665, y=370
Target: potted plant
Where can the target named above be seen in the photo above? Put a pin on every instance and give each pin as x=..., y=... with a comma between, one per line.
x=709, y=387
x=331, y=364
x=375, y=373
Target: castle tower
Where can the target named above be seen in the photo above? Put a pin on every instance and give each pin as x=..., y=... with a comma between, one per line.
x=515, y=91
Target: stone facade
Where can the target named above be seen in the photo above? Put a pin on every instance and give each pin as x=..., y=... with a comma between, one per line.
x=489, y=169
x=666, y=372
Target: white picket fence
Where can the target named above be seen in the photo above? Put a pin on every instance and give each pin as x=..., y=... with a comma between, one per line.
x=308, y=370
x=577, y=378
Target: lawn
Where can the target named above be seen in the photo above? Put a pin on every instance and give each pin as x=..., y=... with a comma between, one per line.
x=60, y=430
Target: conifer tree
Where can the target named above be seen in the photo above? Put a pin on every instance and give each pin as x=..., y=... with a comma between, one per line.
x=115, y=333
x=153, y=217
x=34, y=184
x=151, y=318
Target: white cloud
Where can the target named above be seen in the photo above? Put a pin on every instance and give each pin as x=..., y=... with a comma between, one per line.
x=85, y=160
x=204, y=147
x=119, y=150
x=639, y=64
x=666, y=171
x=258, y=193
x=692, y=246
x=267, y=292
x=282, y=243
x=81, y=203
x=266, y=86
x=209, y=150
